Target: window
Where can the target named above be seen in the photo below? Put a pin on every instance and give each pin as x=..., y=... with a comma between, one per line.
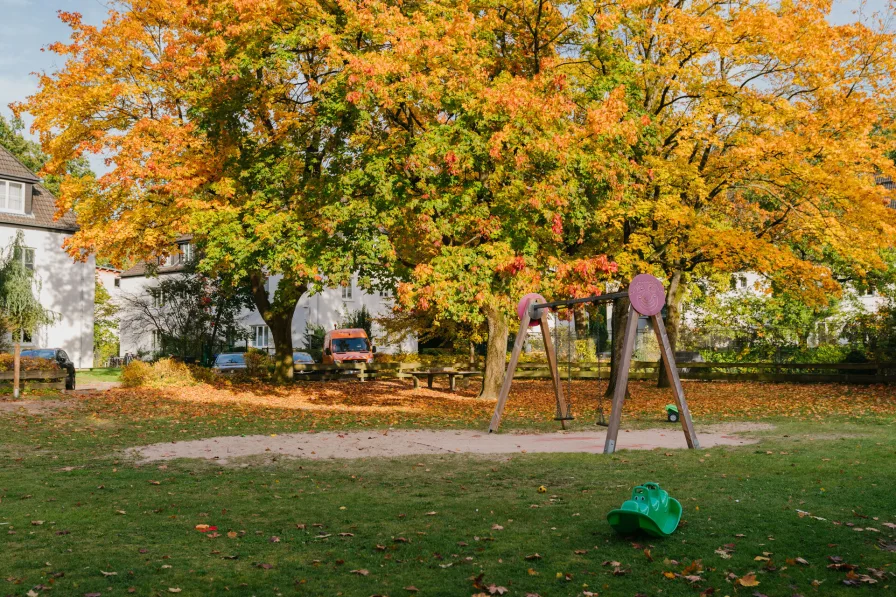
x=27, y=257
x=117, y=282
x=261, y=336
x=386, y=294
x=738, y=281
x=347, y=292
x=156, y=340
x=12, y=196
x=186, y=252
x=158, y=298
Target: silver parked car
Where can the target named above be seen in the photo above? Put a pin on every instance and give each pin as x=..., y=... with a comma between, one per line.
x=229, y=362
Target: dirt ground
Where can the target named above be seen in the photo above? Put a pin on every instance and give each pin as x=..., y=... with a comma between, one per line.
x=366, y=444
x=33, y=407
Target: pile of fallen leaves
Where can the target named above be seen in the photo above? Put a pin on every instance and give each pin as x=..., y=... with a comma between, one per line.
x=397, y=403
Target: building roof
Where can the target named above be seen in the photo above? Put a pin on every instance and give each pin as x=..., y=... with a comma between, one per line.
x=12, y=168
x=885, y=181
x=144, y=269
x=43, y=206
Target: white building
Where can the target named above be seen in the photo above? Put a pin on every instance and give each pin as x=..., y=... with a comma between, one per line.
x=325, y=309
x=67, y=286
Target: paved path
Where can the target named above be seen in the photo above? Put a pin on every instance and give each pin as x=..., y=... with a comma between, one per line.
x=364, y=444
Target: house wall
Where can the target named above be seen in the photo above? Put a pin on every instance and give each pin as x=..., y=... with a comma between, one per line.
x=67, y=289
x=326, y=309
x=131, y=340
x=107, y=279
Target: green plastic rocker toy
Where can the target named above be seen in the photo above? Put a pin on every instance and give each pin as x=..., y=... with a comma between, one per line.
x=650, y=510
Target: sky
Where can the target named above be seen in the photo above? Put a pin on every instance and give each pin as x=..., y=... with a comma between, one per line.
x=28, y=26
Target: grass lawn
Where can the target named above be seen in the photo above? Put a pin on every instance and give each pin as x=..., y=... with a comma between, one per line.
x=99, y=374
x=80, y=518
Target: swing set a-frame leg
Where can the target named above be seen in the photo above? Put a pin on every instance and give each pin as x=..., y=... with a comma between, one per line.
x=508, y=375
x=628, y=347
x=687, y=424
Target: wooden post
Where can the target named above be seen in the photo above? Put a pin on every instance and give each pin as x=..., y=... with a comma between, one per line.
x=16, y=367
x=672, y=373
x=508, y=375
x=551, y=353
x=628, y=347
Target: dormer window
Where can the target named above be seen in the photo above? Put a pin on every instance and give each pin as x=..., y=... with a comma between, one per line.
x=186, y=252
x=12, y=196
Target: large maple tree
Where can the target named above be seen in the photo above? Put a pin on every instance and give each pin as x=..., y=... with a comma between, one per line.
x=472, y=149
x=761, y=142
x=220, y=120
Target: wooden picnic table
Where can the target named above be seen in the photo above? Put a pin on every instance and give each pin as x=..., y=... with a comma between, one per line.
x=451, y=374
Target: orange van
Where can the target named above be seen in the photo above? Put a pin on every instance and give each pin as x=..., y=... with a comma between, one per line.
x=347, y=346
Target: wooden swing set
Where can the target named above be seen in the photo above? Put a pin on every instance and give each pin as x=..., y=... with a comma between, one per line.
x=647, y=297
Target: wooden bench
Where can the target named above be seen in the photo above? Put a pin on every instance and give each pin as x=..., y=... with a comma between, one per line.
x=451, y=374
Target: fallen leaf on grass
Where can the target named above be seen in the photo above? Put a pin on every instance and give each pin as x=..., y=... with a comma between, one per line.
x=497, y=527
x=346, y=534
x=361, y=572
x=108, y=573
x=534, y=556
x=748, y=580
x=36, y=523
x=411, y=588
x=708, y=592
x=174, y=590
x=496, y=590
x=670, y=575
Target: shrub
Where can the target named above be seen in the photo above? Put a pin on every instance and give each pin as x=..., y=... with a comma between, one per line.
x=162, y=373
x=136, y=374
x=257, y=363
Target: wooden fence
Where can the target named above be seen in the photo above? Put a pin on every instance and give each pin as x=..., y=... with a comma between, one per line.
x=360, y=371
x=44, y=379
x=857, y=373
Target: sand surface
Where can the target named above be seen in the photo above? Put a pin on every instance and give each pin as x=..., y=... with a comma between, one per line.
x=380, y=443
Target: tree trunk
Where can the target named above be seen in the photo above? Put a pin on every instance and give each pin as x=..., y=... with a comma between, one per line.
x=495, y=355
x=277, y=314
x=620, y=321
x=673, y=322
x=16, y=368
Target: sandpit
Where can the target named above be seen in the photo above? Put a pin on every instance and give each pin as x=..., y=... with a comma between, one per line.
x=392, y=443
